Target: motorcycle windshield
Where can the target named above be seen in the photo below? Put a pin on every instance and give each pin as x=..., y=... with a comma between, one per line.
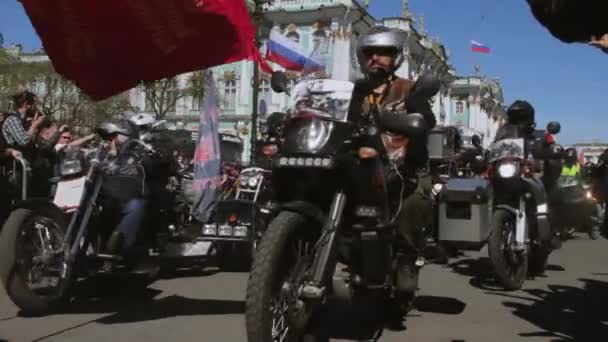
x=323, y=97
x=507, y=149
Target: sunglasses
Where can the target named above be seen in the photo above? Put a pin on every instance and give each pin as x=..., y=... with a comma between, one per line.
x=380, y=51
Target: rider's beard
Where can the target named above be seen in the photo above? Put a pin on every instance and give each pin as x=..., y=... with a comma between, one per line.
x=378, y=75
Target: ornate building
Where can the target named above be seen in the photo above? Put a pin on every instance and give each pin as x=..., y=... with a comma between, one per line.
x=328, y=29
x=476, y=105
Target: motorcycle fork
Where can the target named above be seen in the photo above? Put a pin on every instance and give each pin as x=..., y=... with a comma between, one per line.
x=81, y=218
x=324, y=261
x=521, y=226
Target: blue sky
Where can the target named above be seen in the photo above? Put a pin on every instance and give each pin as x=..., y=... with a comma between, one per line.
x=564, y=82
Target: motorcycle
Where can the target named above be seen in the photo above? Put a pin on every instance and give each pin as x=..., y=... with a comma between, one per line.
x=333, y=205
x=579, y=210
x=520, y=240
x=238, y=223
x=46, y=246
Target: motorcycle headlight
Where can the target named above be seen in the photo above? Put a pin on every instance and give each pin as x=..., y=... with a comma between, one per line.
x=588, y=194
x=70, y=167
x=507, y=170
x=244, y=181
x=253, y=182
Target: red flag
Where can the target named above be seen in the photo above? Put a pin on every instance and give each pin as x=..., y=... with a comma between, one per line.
x=108, y=46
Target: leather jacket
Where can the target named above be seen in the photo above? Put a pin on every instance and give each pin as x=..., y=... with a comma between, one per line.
x=395, y=98
x=125, y=172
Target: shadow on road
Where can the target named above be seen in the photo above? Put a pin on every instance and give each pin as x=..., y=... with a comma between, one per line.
x=138, y=303
x=362, y=317
x=565, y=313
x=482, y=274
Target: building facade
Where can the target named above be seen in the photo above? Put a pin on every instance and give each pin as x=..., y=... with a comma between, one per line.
x=329, y=30
x=477, y=107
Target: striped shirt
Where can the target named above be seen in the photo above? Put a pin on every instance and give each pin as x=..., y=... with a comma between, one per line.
x=14, y=132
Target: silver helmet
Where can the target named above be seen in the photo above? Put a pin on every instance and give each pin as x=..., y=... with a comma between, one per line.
x=381, y=37
x=142, y=119
x=109, y=128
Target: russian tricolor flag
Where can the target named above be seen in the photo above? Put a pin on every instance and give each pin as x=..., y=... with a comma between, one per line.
x=478, y=47
x=289, y=54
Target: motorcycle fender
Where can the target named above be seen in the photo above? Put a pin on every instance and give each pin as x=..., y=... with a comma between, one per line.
x=306, y=209
x=508, y=208
x=544, y=228
x=8, y=237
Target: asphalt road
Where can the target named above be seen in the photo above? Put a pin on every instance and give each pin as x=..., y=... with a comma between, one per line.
x=457, y=303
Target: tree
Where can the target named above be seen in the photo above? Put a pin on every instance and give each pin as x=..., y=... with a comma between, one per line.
x=58, y=98
x=162, y=96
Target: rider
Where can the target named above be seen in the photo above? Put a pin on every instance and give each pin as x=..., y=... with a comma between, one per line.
x=571, y=166
x=521, y=124
x=380, y=54
x=124, y=185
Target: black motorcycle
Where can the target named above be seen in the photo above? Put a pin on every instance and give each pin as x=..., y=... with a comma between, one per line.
x=519, y=242
x=46, y=246
x=333, y=205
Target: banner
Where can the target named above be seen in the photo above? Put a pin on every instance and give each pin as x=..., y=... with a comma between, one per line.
x=109, y=46
x=207, y=158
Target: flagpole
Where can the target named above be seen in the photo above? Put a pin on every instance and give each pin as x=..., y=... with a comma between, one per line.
x=255, y=83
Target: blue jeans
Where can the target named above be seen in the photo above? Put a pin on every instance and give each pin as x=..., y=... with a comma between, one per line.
x=133, y=212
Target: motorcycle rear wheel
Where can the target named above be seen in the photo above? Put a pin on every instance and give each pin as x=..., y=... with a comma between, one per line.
x=272, y=286
x=18, y=239
x=511, y=267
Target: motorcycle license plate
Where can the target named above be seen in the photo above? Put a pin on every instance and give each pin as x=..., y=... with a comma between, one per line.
x=69, y=192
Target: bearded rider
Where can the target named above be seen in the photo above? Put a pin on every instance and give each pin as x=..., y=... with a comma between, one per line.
x=380, y=54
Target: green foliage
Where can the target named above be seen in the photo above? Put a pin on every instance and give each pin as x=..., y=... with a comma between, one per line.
x=58, y=98
x=163, y=95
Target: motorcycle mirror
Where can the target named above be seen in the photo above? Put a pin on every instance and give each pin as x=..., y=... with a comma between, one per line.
x=412, y=125
x=278, y=82
x=427, y=85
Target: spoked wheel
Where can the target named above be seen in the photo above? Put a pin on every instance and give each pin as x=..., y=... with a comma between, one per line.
x=32, y=267
x=273, y=310
x=510, y=265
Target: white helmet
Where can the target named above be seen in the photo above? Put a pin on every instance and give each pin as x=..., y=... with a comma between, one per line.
x=142, y=119
x=381, y=37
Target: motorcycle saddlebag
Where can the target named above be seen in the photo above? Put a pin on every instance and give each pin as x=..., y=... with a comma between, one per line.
x=464, y=212
x=441, y=143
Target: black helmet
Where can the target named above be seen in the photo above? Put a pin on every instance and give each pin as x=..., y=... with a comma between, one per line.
x=554, y=127
x=571, y=155
x=476, y=140
x=520, y=112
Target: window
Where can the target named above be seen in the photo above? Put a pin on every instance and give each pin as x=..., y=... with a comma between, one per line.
x=459, y=107
x=294, y=36
x=197, y=102
x=320, y=42
x=265, y=93
x=229, y=98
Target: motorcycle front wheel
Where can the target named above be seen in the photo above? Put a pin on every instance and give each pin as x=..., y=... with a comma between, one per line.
x=510, y=266
x=31, y=264
x=273, y=311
